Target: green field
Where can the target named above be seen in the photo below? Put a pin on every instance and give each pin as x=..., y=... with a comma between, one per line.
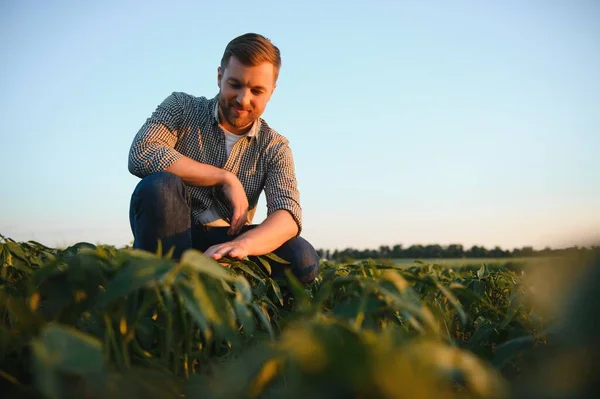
x=97, y=321
x=461, y=262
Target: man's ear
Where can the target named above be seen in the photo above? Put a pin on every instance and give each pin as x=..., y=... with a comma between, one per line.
x=219, y=76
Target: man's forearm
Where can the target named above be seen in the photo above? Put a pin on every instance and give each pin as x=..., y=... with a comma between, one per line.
x=275, y=230
x=198, y=174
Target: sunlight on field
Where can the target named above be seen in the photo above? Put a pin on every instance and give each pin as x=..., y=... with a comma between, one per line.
x=458, y=262
x=97, y=321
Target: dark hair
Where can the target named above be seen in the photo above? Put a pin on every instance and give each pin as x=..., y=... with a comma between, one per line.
x=252, y=49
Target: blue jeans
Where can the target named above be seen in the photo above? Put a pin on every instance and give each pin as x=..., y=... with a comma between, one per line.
x=160, y=209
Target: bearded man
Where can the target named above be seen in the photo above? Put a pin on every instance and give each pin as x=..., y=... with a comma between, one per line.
x=203, y=163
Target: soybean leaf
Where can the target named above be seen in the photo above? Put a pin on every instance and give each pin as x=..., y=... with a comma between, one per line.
x=16, y=250
x=507, y=351
x=277, y=258
x=244, y=315
x=482, y=272
x=243, y=289
x=243, y=267
x=514, y=299
x=264, y=318
x=193, y=307
x=277, y=291
x=68, y=350
x=203, y=264
x=455, y=302
x=133, y=277
x=298, y=291
x=266, y=265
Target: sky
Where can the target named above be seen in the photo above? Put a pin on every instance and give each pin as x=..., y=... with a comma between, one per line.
x=429, y=122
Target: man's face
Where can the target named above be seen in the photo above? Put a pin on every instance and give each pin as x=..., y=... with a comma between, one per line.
x=244, y=93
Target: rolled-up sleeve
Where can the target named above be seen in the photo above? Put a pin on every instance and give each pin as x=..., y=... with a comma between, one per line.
x=153, y=147
x=281, y=187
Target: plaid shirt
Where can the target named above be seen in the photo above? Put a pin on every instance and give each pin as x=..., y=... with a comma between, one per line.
x=186, y=125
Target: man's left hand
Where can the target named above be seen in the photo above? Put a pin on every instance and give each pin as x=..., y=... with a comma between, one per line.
x=232, y=249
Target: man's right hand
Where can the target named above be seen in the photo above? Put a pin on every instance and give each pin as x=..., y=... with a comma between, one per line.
x=234, y=191
x=195, y=173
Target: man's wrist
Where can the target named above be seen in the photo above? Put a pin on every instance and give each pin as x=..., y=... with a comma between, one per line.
x=244, y=241
x=225, y=177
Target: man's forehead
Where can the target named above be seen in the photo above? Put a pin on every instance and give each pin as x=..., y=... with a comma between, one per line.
x=259, y=74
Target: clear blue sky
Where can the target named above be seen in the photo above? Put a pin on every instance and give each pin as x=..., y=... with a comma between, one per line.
x=472, y=122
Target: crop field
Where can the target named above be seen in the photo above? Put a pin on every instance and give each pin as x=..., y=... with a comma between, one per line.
x=102, y=322
x=472, y=262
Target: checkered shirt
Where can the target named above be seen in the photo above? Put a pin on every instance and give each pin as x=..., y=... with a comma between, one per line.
x=185, y=125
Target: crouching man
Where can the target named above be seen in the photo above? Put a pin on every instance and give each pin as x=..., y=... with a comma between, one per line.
x=203, y=163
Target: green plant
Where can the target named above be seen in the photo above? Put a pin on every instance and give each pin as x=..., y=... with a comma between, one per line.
x=97, y=321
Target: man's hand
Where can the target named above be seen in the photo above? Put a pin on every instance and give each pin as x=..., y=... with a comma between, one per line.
x=233, y=249
x=236, y=195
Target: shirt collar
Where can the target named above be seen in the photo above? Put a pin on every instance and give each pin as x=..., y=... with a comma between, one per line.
x=253, y=132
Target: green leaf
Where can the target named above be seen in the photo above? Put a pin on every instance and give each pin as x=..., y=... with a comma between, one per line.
x=298, y=291
x=479, y=288
x=514, y=299
x=21, y=314
x=276, y=258
x=68, y=350
x=159, y=250
x=408, y=304
x=277, y=291
x=203, y=264
x=138, y=382
x=265, y=264
x=16, y=250
x=454, y=301
x=465, y=293
x=61, y=352
x=40, y=246
x=244, y=315
x=79, y=247
x=210, y=305
x=506, y=352
x=133, y=277
x=482, y=272
x=243, y=267
x=264, y=318
x=243, y=288
x=193, y=307
x=483, y=335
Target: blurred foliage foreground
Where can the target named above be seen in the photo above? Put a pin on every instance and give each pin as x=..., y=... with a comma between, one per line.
x=96, y=322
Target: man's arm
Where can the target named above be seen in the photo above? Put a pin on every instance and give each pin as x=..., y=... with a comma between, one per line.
x=153, y=147
x=284, y=220
x=199, y=174
x=275, y=230
x=195, y=173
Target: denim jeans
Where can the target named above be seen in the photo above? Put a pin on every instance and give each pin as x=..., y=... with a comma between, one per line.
x=160, y=209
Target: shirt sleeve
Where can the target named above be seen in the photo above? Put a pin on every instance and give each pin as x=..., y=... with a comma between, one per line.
x=153, y=147
x=281, y=188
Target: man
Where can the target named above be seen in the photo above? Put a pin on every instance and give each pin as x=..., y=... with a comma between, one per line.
x=204, y=163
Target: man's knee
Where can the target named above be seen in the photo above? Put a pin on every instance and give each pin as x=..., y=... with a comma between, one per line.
x=159, y=186
x=303, y=258
x=161, y=198
x=159, y=210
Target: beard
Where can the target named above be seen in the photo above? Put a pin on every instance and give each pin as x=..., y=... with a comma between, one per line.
x=228, y=109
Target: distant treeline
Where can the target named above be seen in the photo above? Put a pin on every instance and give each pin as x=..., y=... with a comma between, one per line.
x=452, y=251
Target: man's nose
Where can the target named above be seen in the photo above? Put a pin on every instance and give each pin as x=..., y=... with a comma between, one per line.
x=243, y=98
